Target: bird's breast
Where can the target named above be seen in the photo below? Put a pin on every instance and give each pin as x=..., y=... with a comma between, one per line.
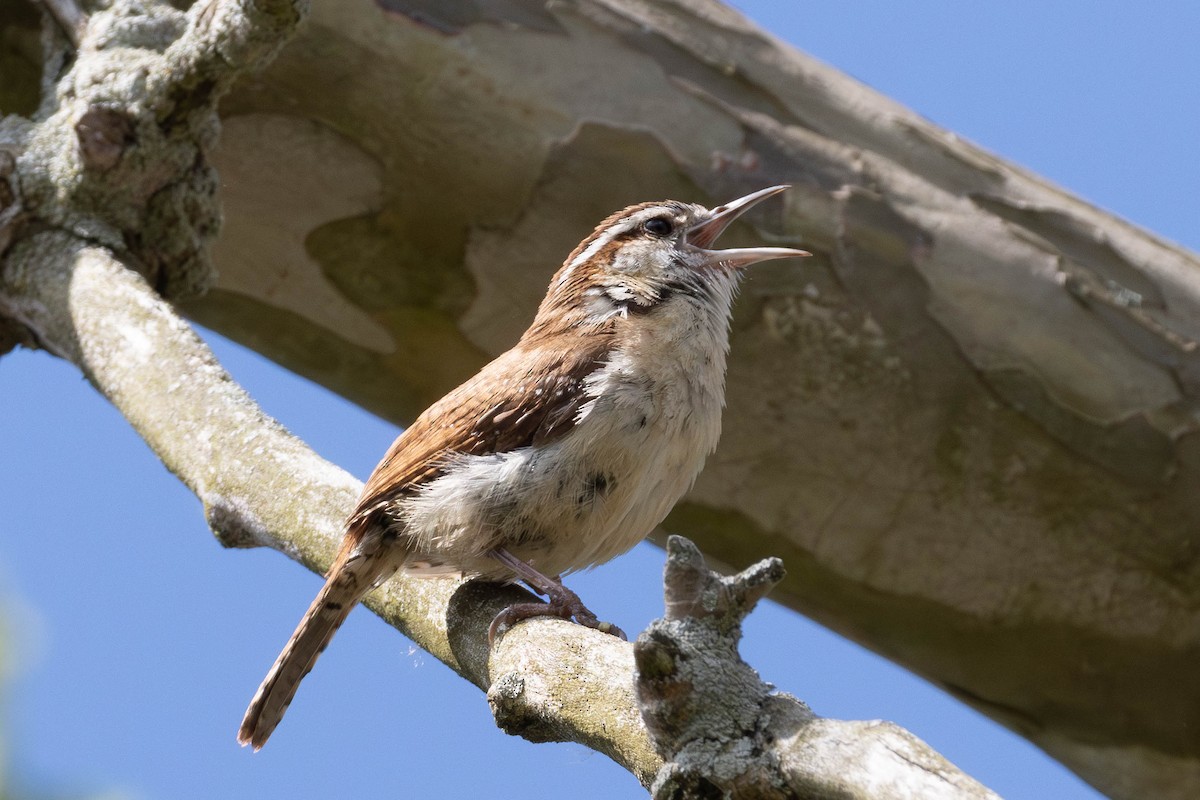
x=636, y=447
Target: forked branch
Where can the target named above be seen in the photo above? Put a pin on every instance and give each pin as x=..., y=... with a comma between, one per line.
x=722, y=731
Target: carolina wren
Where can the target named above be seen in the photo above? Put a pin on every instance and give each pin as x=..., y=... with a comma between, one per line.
x=564, y=452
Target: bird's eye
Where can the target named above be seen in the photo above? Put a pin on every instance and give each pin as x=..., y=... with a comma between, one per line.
x=659, y=226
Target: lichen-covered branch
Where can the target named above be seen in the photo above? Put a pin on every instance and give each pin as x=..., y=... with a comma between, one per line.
x=69, y=286
x=723, y=732
x=106, y=200
x=261, y=486
x=118, y=153
x=547, y=680
x=107, y=187
x=968, y=424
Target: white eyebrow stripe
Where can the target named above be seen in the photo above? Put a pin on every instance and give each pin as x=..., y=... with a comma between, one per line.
x=603, y=239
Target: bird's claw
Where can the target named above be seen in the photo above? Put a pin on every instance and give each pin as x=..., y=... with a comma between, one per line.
x=564, y=607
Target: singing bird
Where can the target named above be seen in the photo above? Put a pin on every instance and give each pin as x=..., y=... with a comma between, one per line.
x=565, y=451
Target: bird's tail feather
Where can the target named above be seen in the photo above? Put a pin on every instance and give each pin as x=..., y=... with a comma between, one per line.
x=351, y=577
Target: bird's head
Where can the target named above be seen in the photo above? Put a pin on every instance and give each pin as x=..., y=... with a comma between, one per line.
x=649, y=256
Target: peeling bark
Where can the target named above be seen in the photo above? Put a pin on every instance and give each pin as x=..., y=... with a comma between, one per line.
x=116, y=206
x=546, y=680
x=968, y=424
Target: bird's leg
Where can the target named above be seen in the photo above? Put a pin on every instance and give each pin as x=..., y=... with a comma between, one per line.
x=563, y=603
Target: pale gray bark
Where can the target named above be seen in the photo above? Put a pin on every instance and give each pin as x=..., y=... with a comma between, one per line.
x=723, y=732
x=109, y=202
x=968, y=425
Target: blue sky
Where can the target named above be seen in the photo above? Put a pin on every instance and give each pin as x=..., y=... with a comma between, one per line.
x=137, y=641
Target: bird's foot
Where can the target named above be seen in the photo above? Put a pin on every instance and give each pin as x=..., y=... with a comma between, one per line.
x=564, y=604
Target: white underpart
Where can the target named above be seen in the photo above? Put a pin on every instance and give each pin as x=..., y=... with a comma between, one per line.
x=653, y=418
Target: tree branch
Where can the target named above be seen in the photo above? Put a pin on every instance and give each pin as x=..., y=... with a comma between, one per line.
x=121, y=202
x=260, y=486
x=721, y=729
x=546, y=679
x=968, y=424
x=118, y=201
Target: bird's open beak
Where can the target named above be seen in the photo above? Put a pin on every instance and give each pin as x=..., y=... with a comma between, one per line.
x=701, y=235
